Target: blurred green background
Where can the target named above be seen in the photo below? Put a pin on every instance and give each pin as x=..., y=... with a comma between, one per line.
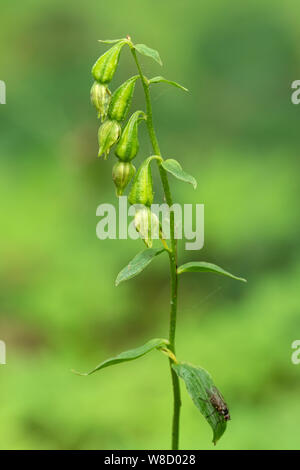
x=237, y=133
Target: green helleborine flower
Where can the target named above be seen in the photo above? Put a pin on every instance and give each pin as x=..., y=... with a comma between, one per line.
x=142, y=187
x=104, y=69
x=121, y=99
x=100, y=98
x=128, y=144
x=147, y=224
x=122, y=174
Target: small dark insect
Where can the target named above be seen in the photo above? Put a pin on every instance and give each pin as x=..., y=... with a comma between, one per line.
x=218, y=402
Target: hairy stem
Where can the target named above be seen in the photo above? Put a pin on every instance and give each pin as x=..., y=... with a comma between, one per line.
x=172, y=257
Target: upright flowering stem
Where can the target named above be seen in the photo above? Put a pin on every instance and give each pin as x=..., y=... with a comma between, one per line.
x=172, y=256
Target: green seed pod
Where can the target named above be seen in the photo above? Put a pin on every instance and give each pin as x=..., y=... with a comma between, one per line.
x=122, y=173
x=108, y=134
x=121, y=99
x=147, y=224
x=100, y=98
x=104, y=69
x=128, y=144
x=142, y=187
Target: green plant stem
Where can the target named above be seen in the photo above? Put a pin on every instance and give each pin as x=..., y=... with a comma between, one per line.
x=172, y=257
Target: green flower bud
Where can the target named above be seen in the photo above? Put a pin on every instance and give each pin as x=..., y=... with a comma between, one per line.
x=128, y=144
x=100, y=98
x=121, y=99
x=104, y=69
x=147, y=224
x=122, y=173
x=142, y=187
x=108, y=134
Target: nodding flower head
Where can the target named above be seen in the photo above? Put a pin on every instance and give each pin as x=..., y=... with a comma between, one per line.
x=128, y=144
x=142, y=187
x=121, y=99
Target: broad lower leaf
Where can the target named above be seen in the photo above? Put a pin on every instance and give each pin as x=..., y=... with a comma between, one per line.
x=170, y=82
x=110, y=41
x=201, y=389
x=173, y=167
x=147, y=51
x=137, y=264
x=132, y=354
x=202, y=266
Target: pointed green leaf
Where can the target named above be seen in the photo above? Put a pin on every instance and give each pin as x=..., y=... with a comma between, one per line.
x=132, y=354
x=173, y=167
x=170, y=82
x=200, y=387
x=147, y=51
x=137, y=264
x=110, y=41
x=202, y=266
